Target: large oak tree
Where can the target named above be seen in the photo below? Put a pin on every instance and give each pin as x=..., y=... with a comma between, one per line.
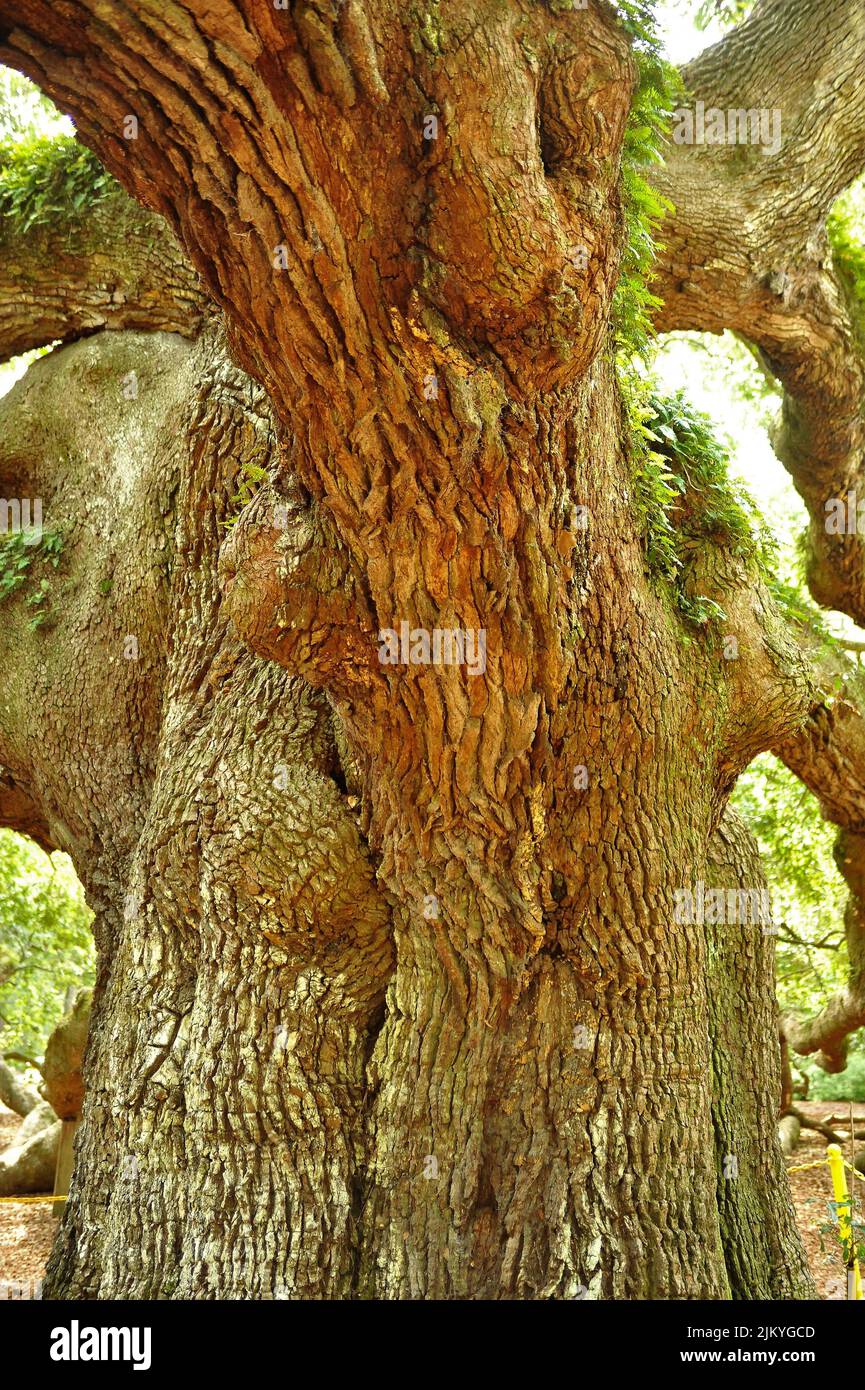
x=393, y=1000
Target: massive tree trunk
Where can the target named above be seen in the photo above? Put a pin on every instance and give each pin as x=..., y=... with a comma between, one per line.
x=251, y=1128
x=393, y=998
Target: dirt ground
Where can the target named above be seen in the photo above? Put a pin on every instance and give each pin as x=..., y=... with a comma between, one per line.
x=27, y=1229
x=26, y=1232
x=812, y=1192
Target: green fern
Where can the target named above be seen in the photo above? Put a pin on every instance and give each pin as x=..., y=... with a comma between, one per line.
x=250, y=480
x=684, y=496
x=658, y=88
x=49, y=181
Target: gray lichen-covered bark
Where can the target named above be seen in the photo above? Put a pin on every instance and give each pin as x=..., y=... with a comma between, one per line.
x=763, y=1255
x=194, y=786
x=233, y=1047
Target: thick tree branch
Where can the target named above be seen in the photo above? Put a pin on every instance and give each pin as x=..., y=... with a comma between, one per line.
x=14, y=1093
x=236, y=104
x=747, y=247
x=18, y=811
x=747, y=250
x=118, y=267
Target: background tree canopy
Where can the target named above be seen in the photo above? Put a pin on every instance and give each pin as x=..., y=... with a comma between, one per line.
x=45, y=943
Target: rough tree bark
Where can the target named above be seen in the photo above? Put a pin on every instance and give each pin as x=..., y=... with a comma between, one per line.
x=747, y=249
x=112, y=267
x=746, y=1073
x=210, y=834
x=392, y=1001
x=15, y=1093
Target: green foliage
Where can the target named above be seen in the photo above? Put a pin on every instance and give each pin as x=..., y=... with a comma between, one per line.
x=725, y=11
x=808, y=900
x=843, y=1085
x=46, y=176
x=845, y=227
x=633, y=300
x=49, y=180
x=45, y=942
x=654, y=486
x=639, y=19
x=808, y=893
x=684, y=494
x=658, y=87
x=25, y=111
x=725, y=364
x=730, y=382
x=17, y=573
x=849, y=1211
x=801, y=612
x=712, y=503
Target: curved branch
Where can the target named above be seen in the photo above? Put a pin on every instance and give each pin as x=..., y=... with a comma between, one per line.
x=18, y=811
x=747, y=250
x=747, y=247
x=118, y=267
x=15, y=1093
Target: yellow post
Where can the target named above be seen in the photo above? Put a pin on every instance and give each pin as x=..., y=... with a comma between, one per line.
x=843, y=1207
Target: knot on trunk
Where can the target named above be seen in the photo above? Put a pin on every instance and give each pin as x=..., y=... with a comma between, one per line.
x=293, y=596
